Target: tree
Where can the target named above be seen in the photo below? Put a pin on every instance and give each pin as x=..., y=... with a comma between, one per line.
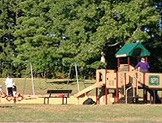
x=35, y=42
x=56, y=32
x=7, y=19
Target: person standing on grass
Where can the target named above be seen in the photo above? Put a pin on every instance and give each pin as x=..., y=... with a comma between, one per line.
x=143, y=65
x=9, y=85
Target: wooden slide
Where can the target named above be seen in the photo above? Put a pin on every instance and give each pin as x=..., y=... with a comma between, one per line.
x=88, y=89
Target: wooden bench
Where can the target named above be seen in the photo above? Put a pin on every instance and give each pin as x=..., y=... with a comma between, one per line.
x=63, y=94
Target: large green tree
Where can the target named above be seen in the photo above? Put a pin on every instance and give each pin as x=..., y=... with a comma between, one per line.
x=49, y=33
x=7, y=23
x=35, y=40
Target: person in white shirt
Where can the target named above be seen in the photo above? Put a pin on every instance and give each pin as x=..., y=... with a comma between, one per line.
x=9, y=85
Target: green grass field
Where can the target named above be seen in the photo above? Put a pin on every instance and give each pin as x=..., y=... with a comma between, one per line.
x=41, y=86
x=79, y=113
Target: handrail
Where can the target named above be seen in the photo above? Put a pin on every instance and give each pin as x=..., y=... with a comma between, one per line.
x=126, y=97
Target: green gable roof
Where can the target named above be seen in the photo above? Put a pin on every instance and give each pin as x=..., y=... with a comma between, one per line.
x=134, y=49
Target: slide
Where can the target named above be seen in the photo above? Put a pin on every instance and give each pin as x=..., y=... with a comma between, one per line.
x=88, y=89
x=154, y=94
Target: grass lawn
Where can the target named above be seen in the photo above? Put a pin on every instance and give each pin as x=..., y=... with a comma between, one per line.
x=80, y=113
x=24, y=85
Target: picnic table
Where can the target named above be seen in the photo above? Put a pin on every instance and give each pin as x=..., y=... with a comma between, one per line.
x=63, y=94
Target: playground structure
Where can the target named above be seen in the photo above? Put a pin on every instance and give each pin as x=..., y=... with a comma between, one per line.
x=124, y=84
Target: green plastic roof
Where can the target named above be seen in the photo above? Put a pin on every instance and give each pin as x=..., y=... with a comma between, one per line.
x=134, y=49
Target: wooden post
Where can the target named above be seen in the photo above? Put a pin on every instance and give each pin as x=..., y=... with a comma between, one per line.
x=136, y=87
x=118, y=63
x=146, y=95
x=117, y=89
x=97, y=99
x=128, y=60
x=125, y=87
x=144, y=91
x=106, y=90
x=106, y=94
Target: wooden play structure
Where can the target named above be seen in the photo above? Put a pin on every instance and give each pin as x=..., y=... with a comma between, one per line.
x=125, y=84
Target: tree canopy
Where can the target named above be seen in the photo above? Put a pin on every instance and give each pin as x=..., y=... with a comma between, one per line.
x=57, y=33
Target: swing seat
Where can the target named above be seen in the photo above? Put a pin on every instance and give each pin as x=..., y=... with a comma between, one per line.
x=63, y=94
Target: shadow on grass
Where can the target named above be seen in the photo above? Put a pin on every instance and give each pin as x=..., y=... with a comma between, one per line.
x=61, y=82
